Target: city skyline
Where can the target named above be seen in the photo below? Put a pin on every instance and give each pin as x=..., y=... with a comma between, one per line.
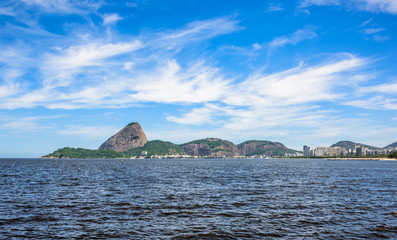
x=74, y=72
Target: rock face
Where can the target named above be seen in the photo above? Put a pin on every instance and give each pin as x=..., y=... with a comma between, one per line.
x=211, y=147
x=266, y=148
x=131, y=136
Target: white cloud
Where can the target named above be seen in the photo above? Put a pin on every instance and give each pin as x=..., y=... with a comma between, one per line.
x=131, y=4
x=9, y=90
x=384, y=6
x=299, y=85
x=298, y=36
x=275, y=7
x=376, y=102
x=65, y=6
x=196, y=31
x=280, y=99
x=366, y=22
x=26, y=124
x=59, y=67
x=390, y=88
x=378, y=38
x=308, y=3
x=195, y=117
x=88, y=131
x=7, y=11
x=111, y=18
x=373, y=30
x=171, y=84
x=91, y=54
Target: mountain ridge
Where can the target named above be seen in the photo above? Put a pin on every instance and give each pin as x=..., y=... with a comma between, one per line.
x=351, y=145
x=131, y=141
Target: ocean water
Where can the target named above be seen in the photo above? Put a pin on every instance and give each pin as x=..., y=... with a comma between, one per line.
x=198, y=199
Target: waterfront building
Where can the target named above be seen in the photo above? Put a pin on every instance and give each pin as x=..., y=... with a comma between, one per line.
x=306, y=151
x=335, y=151
x=321, y=151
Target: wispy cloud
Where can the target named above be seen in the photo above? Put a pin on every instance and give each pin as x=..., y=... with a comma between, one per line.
x=59, y=68
x=26, y=124
x=88, y=131
x=119, y=74
x=275, y=7
x=64, y=6
x=197, y=31
x=384, y=6
x=373, y=30
x=111, y=18
x=293, y=39
x=256, y=102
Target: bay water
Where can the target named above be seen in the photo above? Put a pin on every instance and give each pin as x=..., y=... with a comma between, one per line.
x=198, y=199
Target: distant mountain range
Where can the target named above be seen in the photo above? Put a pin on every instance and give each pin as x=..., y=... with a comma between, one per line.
x=393, y=145
x=131, y=141
x=351, y=145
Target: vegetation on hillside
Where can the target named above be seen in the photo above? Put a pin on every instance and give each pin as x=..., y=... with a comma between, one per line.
x=157, y=147
x=267, y=148
x=211, y=144
x=351, y=145
x=393, y=155
x=68, y=152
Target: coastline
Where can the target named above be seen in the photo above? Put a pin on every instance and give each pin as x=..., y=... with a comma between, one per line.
x=361, y=159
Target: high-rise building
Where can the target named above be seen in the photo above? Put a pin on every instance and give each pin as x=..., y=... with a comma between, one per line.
x=335, y=151
x=360, y=150
x=321, y=151
x=306, y=151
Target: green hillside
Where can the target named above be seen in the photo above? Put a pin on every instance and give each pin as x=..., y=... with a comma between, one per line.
x=156, y=147
x=351, y=145
x=68, y=152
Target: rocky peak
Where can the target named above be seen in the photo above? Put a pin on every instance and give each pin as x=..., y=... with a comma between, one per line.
x=131, y=136
x=211, y=147
x=260, y=147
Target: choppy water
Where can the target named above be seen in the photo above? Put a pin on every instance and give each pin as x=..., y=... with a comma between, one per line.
x=198, y=199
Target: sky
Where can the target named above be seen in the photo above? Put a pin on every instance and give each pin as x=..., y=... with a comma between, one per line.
x=299, y=72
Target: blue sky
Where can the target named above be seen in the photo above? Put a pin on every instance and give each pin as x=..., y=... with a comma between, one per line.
x=72, y=73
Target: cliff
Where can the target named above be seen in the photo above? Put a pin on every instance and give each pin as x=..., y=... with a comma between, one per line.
x=131, y=136
x=263, y=148
x=211, y=147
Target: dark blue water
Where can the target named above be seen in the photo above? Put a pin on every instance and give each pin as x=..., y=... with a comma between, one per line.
x=198, y=199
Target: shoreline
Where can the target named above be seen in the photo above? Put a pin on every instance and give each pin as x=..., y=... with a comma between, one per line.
x=362, y=159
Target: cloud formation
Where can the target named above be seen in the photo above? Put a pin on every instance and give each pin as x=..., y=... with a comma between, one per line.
x=296, y=37
x=383, y=6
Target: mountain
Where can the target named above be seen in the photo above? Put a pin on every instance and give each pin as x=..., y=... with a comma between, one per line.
x=393, y=145
x=131, y=136
x=211, y=147
x=157, y=147
x=67, y=152
x=351, y=145
x=259, y=147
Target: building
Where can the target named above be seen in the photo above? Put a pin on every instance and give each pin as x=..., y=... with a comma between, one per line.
x=335, y=151
x=306, y=151
x=321, y=151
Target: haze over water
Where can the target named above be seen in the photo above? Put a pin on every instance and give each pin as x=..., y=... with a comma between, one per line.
x=198, y=199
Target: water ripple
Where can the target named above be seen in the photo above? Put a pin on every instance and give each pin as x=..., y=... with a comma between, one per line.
x=197, y=199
